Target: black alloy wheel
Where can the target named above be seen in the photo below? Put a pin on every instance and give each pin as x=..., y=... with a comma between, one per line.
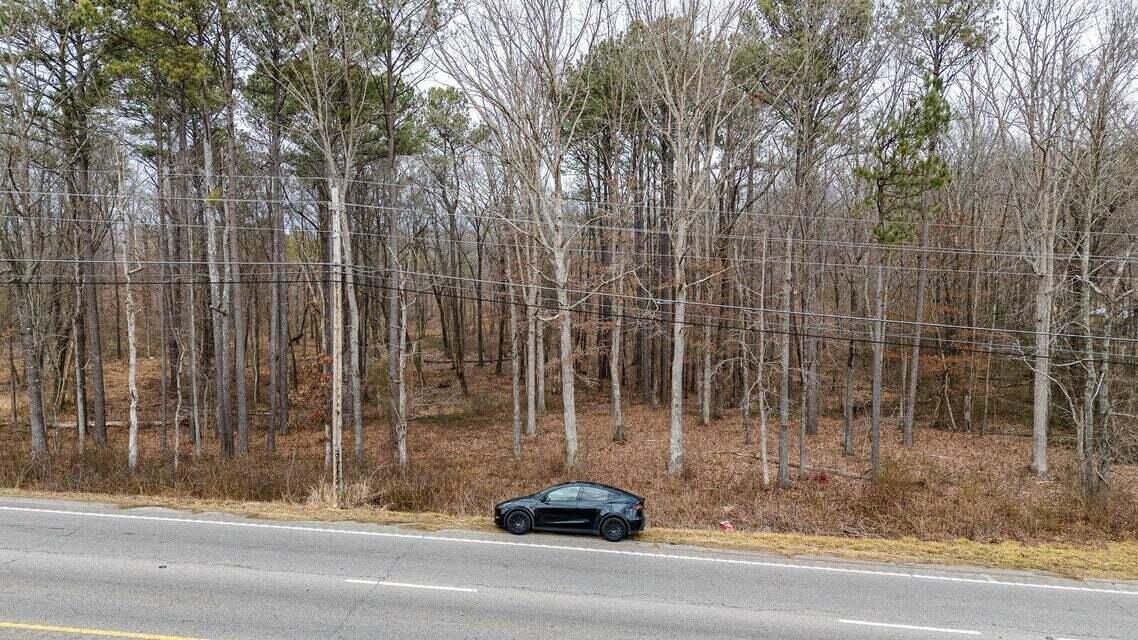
x=518, y=523
x=614, y=529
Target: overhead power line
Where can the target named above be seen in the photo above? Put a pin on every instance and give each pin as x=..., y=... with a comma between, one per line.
x=585, y=226
x=655, y=206
x=694, y=320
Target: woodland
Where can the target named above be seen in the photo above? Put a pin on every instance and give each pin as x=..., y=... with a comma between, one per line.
x=852, y=267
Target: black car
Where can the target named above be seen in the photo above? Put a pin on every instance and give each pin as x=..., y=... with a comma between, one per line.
x=574, y=507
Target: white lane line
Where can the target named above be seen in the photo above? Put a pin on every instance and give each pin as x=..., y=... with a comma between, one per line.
x=408, y=585
x=910, y=627
x=597, y=550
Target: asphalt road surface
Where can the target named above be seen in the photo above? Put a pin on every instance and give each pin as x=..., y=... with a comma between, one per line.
x=78, y=570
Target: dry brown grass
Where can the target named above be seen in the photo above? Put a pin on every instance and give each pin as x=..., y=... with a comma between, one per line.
x=959, y=498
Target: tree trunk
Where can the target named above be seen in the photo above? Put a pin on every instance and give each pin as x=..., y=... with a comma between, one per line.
x=784, y=388
x=515, y=378
x=568, y=376
x=531, y=357
x=355, y=387
x=458, y=330
x=878, y=356
x=33, y=381
x=539, y=362
x=278, y=314
x=478, y=317
x=705, y=378
x=847, y=404
x=94, y=342
x=190, y=328
x=13, y=381
x=401, y=400
x=1087, y=449
x=915, y=357
x=614, y=369
x=1041, y=396
x=163, y=370
x=237, y=318
x=77, y=336
x=675, y=423
x=217, y=309
x=395, y=311
x=745, y=400
x=132, y=355
x=337, y=322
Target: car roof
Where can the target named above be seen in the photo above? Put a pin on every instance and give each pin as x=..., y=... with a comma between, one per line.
x=586, y=483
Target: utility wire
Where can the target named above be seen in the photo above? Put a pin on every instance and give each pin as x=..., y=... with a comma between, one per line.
x=585, y=251
x=763, y=214
x=658, y=301
x=587, y=226
x=713, y=322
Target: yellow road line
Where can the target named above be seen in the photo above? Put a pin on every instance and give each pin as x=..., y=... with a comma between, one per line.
x=83, y=631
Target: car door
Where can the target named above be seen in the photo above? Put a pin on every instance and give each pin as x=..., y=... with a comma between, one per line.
x=558, y=510
x=593, y=502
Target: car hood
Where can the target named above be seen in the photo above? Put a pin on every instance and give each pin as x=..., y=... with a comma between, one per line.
x=512, y=500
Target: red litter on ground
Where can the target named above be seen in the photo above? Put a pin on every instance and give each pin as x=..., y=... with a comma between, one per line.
x=726, y=526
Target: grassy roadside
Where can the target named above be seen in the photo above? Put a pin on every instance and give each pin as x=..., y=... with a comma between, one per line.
x=1118, y=560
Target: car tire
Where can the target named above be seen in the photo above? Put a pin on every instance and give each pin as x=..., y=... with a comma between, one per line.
x=614, y=529
x=518, y=522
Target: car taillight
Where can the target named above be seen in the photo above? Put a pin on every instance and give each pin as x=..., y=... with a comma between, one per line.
x=638, y=506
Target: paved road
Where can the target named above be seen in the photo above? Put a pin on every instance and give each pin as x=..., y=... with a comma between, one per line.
x=70, y=569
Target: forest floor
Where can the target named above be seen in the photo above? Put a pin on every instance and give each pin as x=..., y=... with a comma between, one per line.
x=950, y=498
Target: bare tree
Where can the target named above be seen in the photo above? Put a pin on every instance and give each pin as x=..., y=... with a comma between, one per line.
x=1041, y=51
x=943, y=36
x=512, y=60
x=330, y=79
x=686, y=65
x=129, y=255
x=28, y=231
x=1099, y=167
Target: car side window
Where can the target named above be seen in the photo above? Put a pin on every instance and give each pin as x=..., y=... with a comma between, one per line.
x=564, y=494
x=595, y=494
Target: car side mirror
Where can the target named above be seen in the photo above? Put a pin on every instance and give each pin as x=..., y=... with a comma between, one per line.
x=545, y=499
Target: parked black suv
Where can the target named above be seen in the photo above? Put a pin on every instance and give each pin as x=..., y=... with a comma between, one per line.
x=574, y=507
